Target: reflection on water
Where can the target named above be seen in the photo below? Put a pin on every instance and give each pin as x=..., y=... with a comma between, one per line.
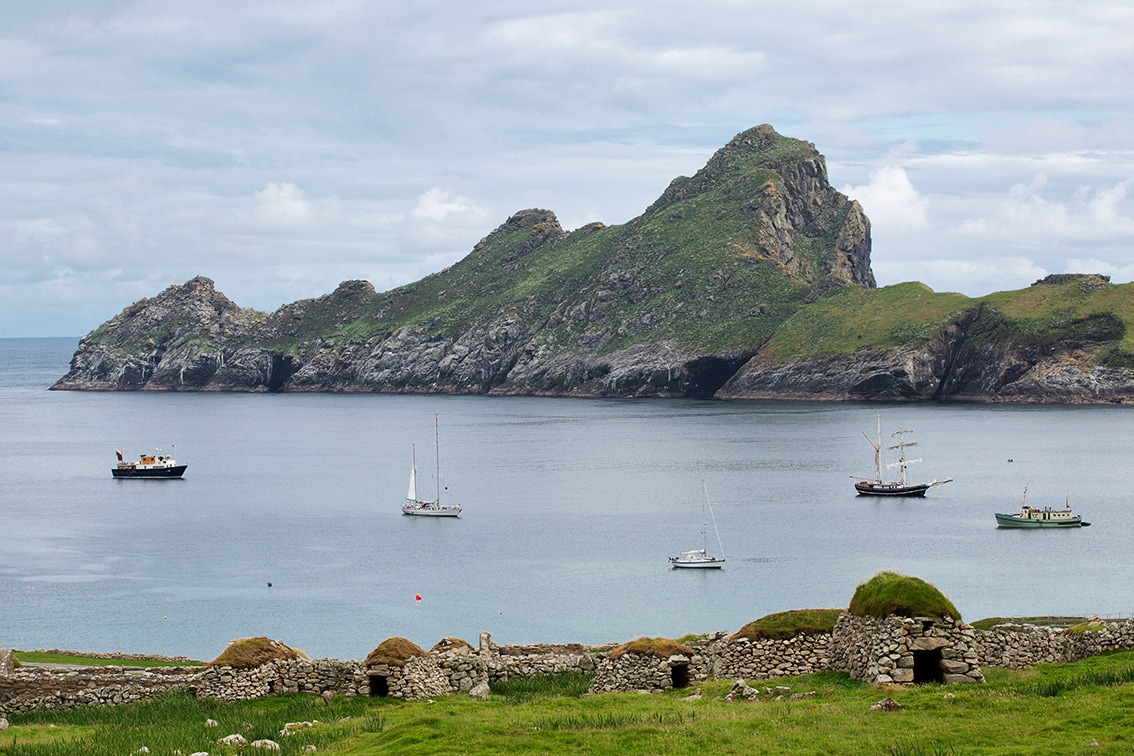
x=571, y=509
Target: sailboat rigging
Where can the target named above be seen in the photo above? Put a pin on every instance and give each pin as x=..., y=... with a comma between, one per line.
x=902, y=486
x=423, y=507
x=700, y=558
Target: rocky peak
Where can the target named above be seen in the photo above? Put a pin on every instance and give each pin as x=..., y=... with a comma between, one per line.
x=194, y=308
x=541, y=227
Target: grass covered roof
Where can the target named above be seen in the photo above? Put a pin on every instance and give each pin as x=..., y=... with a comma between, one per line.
x=450, y=644
x=789, y=624
x=889, y=593
x=660, y=647
x=247, y=653
x=395, y=651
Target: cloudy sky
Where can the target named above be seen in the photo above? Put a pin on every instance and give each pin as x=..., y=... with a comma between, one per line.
x=282, y=146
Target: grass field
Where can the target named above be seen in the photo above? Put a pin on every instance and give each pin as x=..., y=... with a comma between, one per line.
x=1056, y=709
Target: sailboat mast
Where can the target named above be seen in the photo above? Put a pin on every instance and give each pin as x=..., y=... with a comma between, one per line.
x=437, y=445
x=878, y=451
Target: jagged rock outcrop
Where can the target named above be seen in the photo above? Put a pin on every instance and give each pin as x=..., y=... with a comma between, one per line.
x=643, y=309
x=692, y=298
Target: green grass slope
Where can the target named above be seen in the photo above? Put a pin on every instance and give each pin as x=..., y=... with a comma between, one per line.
x=1069, y=313
x=694, y=268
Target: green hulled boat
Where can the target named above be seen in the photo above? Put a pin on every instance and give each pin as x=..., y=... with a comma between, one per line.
x=1035, y=517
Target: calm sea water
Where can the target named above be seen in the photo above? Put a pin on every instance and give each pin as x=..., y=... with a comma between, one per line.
x=571, y=508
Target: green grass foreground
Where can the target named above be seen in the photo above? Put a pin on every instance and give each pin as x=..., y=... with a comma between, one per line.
x=1057, y=709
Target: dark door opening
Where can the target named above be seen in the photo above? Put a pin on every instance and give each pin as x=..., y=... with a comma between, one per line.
x=680, y=675
x=927, y=666
x=379, y=686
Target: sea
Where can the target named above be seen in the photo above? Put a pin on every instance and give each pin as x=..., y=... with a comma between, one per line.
x=288, y=524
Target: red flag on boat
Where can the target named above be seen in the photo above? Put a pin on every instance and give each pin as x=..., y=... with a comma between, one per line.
x=118, y=454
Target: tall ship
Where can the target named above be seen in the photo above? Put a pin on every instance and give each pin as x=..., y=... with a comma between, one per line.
x=418, y=507
x=902, y=486
x=152, y=466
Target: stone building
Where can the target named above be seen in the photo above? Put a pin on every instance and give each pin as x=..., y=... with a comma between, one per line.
x=905, y=650
x=651, y=665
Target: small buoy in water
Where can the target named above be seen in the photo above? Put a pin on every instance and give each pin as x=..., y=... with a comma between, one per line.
x=269, y=583
x=417, y=597
x=165, y=617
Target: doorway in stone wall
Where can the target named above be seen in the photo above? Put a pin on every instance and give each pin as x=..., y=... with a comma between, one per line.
x=379, y=686
x=679, y=674
x=927, y=666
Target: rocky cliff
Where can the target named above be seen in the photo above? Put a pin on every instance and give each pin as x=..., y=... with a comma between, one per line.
x=1069, y=349
x=670, y=304
x=750, y=279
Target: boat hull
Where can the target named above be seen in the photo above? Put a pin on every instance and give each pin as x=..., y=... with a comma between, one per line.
x=427, y=511
x=701, y=564
x=150, y=473
x=869, y=488
x=1015, y=521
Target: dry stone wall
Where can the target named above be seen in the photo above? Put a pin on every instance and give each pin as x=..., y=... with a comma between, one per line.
x=767, y=658
x=905, y=650
x=35, y=688
x=890, y=650
x=648, y=673
x=504, y=662
x=1022, y=646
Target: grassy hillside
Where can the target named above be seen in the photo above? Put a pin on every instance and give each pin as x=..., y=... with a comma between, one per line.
x=1046, y=316
x=695, y=268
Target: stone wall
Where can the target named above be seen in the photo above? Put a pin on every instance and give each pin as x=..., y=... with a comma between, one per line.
x=1022, y=646
x=420, y=677
x=905, y=650
x=875, y=650
x=503, y=662
x=648, y=673
x=347, y=678
x=37, y=688
x=766, y=658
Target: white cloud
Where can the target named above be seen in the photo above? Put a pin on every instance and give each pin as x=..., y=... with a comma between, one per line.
x=437, y=205
x=283, y=205
x=280, y=147
x=891, y=201
x=443, y=227
x=974, y=277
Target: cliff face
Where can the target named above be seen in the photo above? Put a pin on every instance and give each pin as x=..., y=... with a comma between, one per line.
x=670, y=304
x=977, y=355
x=750, y=279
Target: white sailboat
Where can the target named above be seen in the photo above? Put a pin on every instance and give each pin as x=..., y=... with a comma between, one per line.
x=700, y=558
x=423, y=507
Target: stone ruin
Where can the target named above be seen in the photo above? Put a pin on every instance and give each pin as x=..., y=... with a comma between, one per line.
x=905, y=650
x=893, y=649
x=649, y=665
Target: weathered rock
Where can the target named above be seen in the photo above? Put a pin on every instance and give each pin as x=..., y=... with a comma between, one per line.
x=606, y=322
x=886, y=704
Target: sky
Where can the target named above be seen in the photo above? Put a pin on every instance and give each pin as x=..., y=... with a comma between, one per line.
x=280, y=147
